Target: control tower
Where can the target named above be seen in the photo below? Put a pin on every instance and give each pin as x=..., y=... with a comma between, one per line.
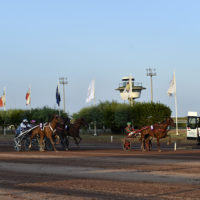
x=129, y=89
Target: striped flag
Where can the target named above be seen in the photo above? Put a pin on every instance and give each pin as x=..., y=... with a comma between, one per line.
x=28, y=97
x=3, y=99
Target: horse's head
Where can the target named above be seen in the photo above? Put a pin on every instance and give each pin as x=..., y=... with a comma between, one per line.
x=170, y=122
x=66, y=120
x=56, y=119
x=83, y=122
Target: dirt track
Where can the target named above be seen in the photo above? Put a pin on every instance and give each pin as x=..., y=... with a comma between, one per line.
x=100, y=174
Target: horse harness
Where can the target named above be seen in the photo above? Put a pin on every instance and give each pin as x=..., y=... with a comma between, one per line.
x=49, y=125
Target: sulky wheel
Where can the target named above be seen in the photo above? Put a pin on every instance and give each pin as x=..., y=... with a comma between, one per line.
x=126, y=145
x=17, y=144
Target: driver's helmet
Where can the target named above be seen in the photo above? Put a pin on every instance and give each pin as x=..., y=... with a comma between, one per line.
x=33, y=121
x=25, y=121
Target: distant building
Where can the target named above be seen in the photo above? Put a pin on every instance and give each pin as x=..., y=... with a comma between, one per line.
x=130, y=90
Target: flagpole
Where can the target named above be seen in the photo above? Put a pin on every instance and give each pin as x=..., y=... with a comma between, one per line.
x=176, y=115
x=176, y=107
x=30, y=98
x=59, y=92
x=4, y=107
x=130, y=90
x=95, y=125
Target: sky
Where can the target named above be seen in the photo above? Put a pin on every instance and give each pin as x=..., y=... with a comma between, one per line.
x=104, y=40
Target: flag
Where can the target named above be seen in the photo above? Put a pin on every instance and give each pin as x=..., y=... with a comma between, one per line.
x=126, y=92
x=91, y=91
x=128, y=89
x=28, y=97
x=172, y=87
x=58, y=99
x=3, y=99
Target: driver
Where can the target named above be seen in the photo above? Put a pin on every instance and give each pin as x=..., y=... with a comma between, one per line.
x=129, y=130
x=25, y=125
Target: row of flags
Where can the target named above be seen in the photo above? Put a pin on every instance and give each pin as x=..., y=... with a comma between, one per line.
x=3, y=98
x=90, y=94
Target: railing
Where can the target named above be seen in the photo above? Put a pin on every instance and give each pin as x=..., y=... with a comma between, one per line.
x=133, y=84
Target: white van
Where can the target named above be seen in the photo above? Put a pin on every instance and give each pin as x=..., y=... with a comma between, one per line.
x=193, y=125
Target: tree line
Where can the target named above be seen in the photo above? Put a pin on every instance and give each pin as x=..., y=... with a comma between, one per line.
x=108, y=115
x=115, y=115
x=15, y=116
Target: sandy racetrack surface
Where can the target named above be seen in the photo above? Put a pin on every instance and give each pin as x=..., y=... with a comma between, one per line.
x=100, y=174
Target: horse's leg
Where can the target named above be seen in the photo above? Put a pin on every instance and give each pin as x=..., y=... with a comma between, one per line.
x=52, y=143
x=76, y=142
x=169, y=141
x=150, y=144
x=147, y=144
x=31, y=137
x=57, y=139
x=79, y=139
x=158, y=144
x=142, y=143
x=41, y=141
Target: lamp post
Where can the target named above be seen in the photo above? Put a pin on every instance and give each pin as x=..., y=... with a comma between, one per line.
x=151, y=72
x=63, y=81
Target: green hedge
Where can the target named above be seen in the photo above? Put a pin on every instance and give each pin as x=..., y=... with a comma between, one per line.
x=15, y=116
x=115, y=115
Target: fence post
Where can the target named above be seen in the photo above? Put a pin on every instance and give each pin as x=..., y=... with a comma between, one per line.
x=174, y=146
x=111, y=138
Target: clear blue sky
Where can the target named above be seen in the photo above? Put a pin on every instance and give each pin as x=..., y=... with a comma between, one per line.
x=106, y=40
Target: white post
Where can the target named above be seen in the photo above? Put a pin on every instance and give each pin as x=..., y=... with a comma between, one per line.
x=174, y=146
x=111, y=139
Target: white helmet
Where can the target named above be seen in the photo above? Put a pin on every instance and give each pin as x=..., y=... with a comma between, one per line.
x=25, y=121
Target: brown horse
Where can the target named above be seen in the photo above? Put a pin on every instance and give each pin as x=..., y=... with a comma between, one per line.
x=49, y=130
x=157, y=131
x=73, y=129
x=37, y=131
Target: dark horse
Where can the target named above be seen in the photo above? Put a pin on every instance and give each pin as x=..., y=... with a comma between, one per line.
x=73, y=129
x=60, y=131
x=157, y=131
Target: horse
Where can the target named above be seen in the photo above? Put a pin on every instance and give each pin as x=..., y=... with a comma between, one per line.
x=73, y=129
x=157, y=131
x=37, y=131
x=60, y=129
x=50, y=129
